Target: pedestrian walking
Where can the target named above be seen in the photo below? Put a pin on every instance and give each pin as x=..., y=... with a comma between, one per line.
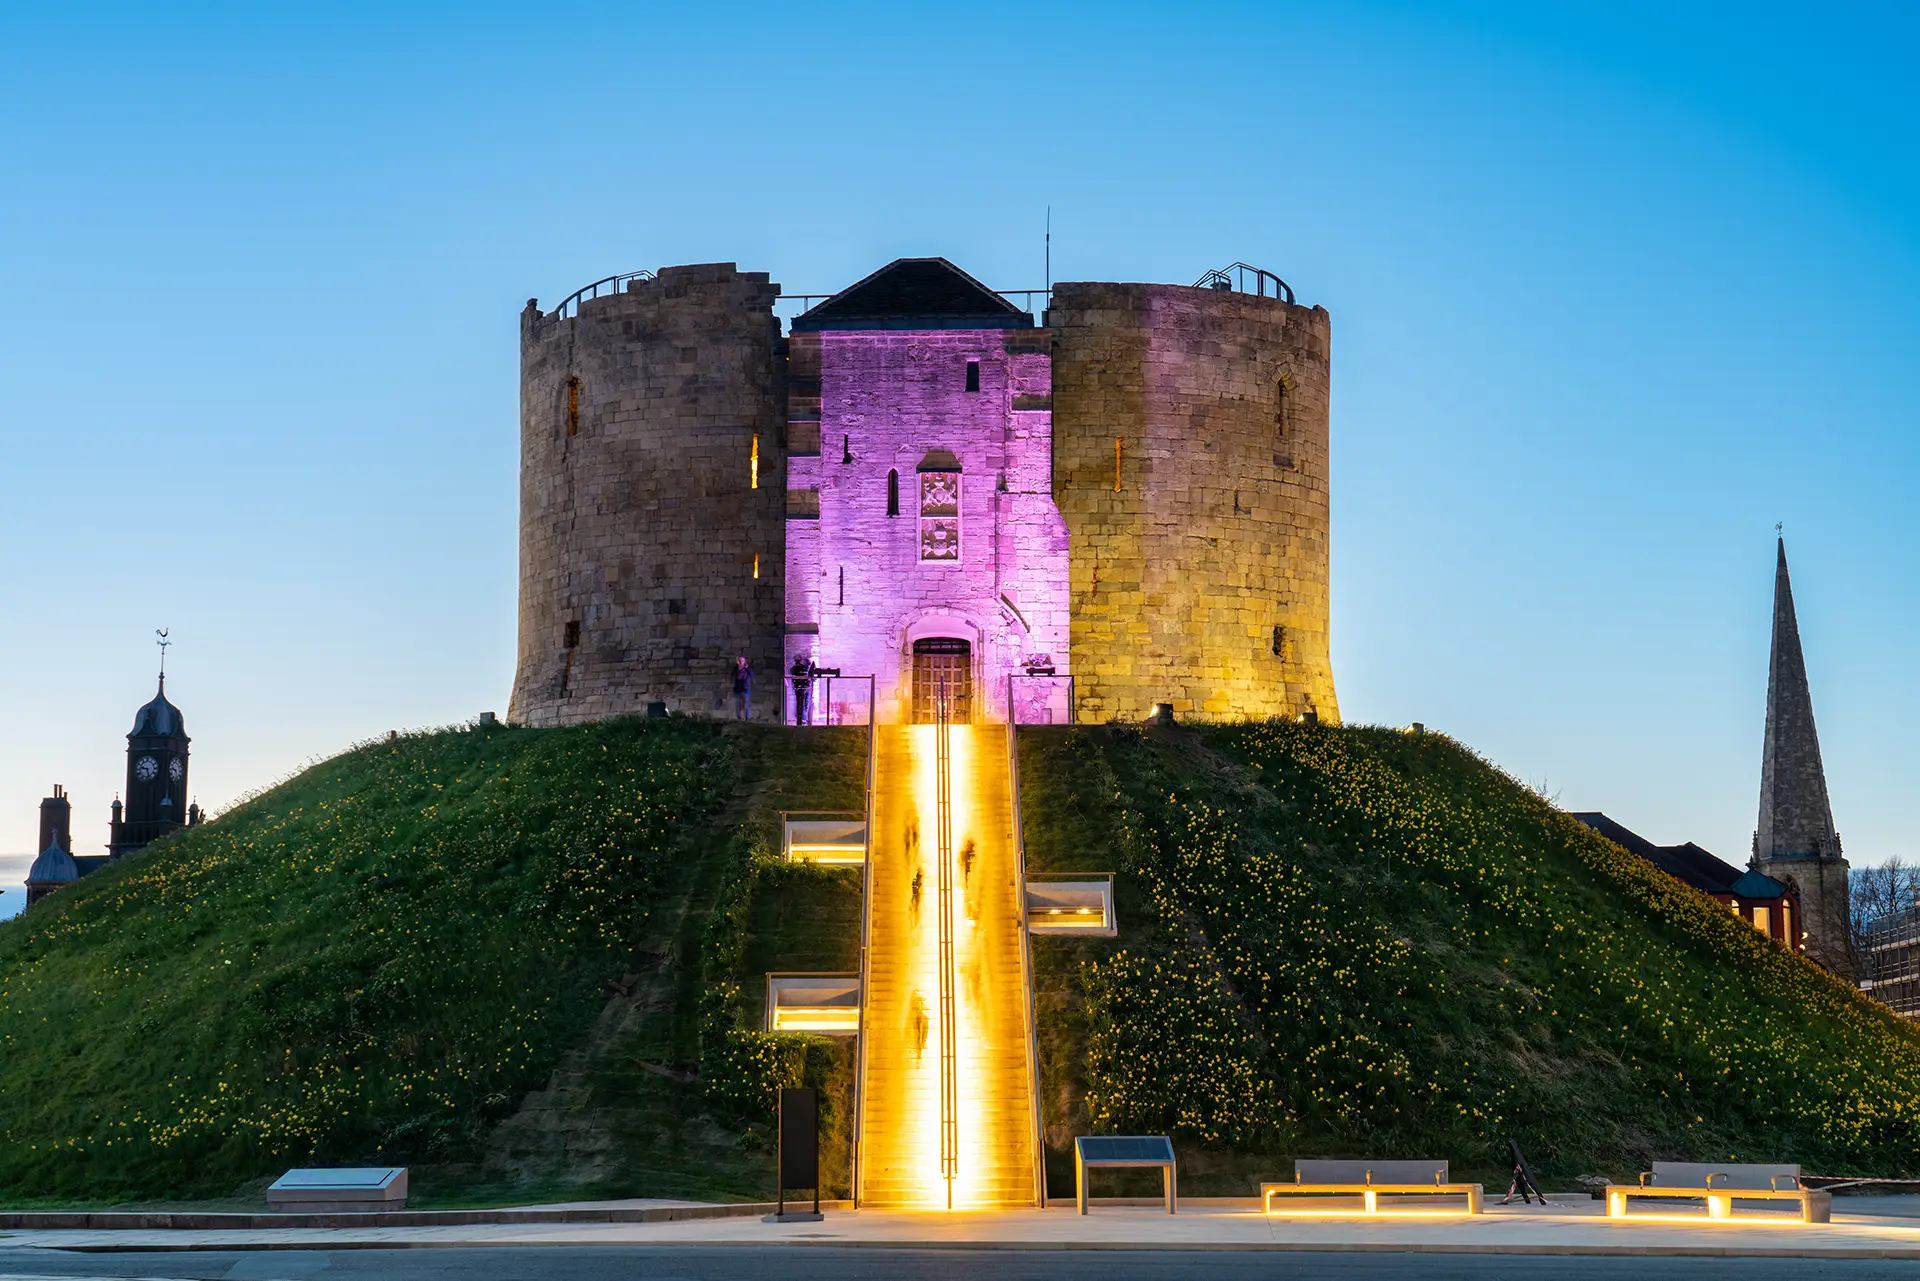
x=743, y=689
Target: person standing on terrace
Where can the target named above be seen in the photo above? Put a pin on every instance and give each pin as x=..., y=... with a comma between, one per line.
x=742, y=689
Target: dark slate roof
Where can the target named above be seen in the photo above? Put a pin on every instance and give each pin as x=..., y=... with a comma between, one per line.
x=915, y=293
x=54, y=867
x=1686, y=863
x=159, y=718
x=1755, y=885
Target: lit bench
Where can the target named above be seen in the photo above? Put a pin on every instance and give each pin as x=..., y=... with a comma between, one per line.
x=1078, y=903
x=823, y=1004
x=1720, y=1185
x=830, y=840
x=351, y=1191
x=1370, y=1180
x=1124, y=1152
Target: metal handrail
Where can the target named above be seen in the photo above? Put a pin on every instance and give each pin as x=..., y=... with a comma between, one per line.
x=1026, y=941
x=612, y=284
x=808, y=301
x=866, y=927
x=1073, y=710
x=1234, y=277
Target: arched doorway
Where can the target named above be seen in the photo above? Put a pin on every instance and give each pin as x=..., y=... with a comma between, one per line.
x=939, y=659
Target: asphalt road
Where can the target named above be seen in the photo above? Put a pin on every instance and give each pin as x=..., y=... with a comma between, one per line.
x=718, y=1263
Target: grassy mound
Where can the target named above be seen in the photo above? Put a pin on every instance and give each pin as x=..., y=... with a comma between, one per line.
x=1370, y=943
x=528, y=964
x=382, y=959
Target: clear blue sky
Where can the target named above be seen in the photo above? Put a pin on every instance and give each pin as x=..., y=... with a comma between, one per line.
x=1615, y=287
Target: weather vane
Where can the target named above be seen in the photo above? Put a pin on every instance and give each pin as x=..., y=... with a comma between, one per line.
x=163, y=642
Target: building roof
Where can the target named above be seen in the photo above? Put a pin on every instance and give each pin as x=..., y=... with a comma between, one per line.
x=54, y=867
x=1687, y=863
x=159, y=718
x=915, y=293
x=1757, y=885
x=1796, y=820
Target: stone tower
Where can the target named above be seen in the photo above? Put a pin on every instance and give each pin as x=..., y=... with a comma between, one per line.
x=652, y=497
x=156, y=775
x=1190, y=463
x=1795, y=841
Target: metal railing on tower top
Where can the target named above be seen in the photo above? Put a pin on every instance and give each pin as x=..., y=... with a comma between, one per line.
x=611, y=285
x=1237, y=276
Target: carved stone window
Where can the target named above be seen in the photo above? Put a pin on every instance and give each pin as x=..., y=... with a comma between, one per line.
x=940, y=515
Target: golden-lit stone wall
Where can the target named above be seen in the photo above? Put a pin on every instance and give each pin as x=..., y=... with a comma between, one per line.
x=1190, y=465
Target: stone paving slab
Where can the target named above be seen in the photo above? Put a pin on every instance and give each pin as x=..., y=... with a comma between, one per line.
x=1578, y=1228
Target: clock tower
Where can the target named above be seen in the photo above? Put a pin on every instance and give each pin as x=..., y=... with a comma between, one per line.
x=156, y=776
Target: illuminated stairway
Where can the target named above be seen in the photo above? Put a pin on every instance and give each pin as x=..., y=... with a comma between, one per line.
x=900, y=1102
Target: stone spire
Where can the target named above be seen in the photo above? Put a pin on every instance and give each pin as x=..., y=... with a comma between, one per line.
x=1796, y=820
x=1795, y=841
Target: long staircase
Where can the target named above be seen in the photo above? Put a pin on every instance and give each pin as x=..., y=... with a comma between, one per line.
x=946, y=1119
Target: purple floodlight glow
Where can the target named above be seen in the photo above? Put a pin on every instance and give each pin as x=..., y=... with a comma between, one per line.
x=978, y=550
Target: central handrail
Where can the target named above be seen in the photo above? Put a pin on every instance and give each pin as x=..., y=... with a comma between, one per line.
x=949, y=1033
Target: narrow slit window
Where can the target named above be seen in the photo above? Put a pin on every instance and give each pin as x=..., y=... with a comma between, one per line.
x=573, y=404
x=1279, y=641
x=843, y=585
x=753, y=466
x=1116, y=464
x=893, y=492
x=973, y=375
x=573, y=633
x=756, y=564
x=1282, y=428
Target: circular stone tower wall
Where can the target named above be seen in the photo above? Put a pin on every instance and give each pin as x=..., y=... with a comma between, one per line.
x=1190, y=464
x=652, y=499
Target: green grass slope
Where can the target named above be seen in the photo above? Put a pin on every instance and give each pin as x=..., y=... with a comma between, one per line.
x=1371, y=943
x=400, y=954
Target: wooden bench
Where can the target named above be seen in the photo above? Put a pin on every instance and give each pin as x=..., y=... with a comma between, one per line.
x=1370, y=1180
x=1124, y=1152
x=1720, y=1185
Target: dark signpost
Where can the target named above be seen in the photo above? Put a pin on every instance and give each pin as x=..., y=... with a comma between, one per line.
x=799, y=1159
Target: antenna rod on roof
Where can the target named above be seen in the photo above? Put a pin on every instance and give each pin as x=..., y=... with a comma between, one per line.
x=1049, y=253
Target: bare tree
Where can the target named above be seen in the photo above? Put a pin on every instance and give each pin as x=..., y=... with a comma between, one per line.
x=1876, y=893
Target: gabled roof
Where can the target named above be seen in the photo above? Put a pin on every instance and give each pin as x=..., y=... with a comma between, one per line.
x=915, y=293
x=1687, y=863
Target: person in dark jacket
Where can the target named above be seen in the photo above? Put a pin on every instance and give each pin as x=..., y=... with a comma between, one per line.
x=743, y=689
x=802, y=689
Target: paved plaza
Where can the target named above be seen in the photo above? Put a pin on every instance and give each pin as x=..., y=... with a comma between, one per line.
x=1883, y=1228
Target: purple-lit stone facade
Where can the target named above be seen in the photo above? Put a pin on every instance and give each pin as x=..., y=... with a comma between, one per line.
x=936, y=518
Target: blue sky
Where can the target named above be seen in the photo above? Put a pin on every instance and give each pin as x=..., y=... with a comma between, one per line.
x=1614, y=287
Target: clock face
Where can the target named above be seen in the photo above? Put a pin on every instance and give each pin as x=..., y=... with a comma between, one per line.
x=176, y=769
x=146, y=767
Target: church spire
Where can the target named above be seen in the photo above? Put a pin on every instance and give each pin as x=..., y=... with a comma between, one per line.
x=1796, y=820
x=1795, y=842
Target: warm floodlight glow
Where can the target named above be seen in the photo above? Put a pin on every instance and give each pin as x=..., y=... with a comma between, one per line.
x=828, y=855
x=826, y=1020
